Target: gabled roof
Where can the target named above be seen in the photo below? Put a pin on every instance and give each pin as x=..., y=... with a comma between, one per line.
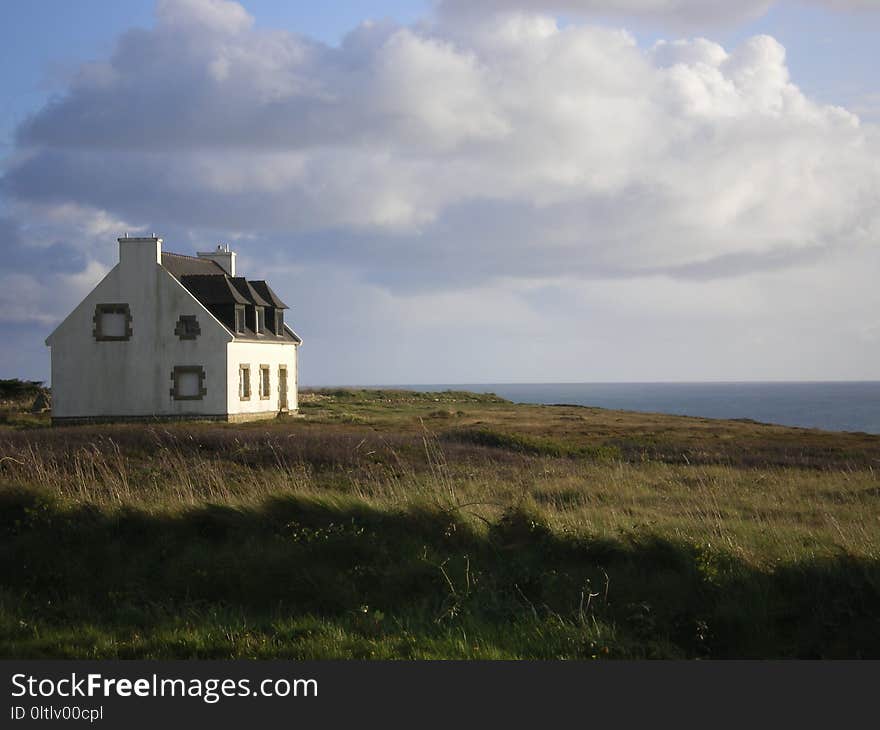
x=209, y=283
x=180, y=265
x=296, y=338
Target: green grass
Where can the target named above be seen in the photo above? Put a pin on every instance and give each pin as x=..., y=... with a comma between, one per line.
x=384, y=524
x=305, y=578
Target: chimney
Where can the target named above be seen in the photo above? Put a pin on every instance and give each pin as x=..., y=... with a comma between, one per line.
x=222, y=256
x=138, y=254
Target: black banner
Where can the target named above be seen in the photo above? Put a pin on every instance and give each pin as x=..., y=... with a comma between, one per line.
x=136, y=694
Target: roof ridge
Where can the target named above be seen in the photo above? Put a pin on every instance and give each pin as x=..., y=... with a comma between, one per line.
x=187, y=256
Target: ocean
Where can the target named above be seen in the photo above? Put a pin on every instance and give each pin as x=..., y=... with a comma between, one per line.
x=833, y=406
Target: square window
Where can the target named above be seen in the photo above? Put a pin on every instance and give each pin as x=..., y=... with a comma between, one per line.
x=187, y=385
x=264, y=382
x=112, y=322
x=188, y=382
x=244, y=382
x=187, y=327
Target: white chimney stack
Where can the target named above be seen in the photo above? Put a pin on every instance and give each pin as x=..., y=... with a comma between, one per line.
x=222, y=256
x=138, y=254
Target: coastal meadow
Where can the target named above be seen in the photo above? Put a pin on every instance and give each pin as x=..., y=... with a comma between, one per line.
x=441, y=525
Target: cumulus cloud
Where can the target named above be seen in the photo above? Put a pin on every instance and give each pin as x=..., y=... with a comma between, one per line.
x=516, y=144
x=500, y=165
x=221, y=16
x=29, y=298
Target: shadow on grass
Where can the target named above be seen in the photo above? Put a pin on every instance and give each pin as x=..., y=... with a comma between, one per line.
x=327, y=578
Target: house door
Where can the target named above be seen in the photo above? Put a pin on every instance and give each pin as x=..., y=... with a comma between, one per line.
x=282, y=387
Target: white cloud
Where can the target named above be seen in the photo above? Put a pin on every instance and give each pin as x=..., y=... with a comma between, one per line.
x=45, y=299
x=813, y=322
x=869, y=5
x=599, y=156
x=81, y=227
x=684, y=14
x=516, y=178
x=688, y=13
x=220, y=16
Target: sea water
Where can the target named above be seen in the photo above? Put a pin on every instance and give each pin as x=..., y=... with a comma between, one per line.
x=833, y=406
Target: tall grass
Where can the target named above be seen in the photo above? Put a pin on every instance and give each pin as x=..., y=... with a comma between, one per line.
x=328, y=539
x=762, y=515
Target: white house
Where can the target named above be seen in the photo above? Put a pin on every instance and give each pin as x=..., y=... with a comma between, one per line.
x=165, y=335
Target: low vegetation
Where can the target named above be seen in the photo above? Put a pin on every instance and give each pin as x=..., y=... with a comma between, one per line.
x=440, y=525
x=16, y=400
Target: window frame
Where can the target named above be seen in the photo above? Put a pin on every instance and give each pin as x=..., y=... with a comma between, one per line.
x=283, y=397
x=267, y=369
x=111, y=308
x=244, y=379
x=179, y=370
x=187, y=327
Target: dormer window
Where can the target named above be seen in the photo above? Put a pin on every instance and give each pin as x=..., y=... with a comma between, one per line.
x=239, y=318
x=279, y=322
x=260, y=321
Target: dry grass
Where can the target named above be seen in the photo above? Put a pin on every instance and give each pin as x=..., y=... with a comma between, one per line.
x=389, y=525
x=763, y=515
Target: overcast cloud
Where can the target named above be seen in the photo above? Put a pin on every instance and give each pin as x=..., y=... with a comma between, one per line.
x=684, y=14
x=508, y=182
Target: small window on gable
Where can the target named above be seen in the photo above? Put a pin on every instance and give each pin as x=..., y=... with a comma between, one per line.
x=187, y=327
x=239, y=318
x=264, y=382
x=188, y=382
x=112, y=322
x=244, y=382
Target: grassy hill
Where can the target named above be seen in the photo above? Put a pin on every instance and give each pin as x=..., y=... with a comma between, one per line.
x=450, y=525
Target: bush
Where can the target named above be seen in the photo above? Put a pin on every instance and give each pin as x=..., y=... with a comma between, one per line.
x=15, y=389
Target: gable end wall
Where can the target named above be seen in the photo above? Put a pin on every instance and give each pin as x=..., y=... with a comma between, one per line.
x=132, y=378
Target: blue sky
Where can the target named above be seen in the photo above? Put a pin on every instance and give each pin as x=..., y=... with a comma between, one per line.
x=554, y=191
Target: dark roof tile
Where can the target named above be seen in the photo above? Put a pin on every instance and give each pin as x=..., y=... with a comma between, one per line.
x=208, y=282
x=180, y=265
x=265, y=291
x=213, y=289
x=246, y=290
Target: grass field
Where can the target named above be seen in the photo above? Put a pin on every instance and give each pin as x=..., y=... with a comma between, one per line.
x=392, y=524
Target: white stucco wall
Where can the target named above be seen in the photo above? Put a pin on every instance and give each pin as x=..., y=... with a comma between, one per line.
x=256, y=354
x=133, y=378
